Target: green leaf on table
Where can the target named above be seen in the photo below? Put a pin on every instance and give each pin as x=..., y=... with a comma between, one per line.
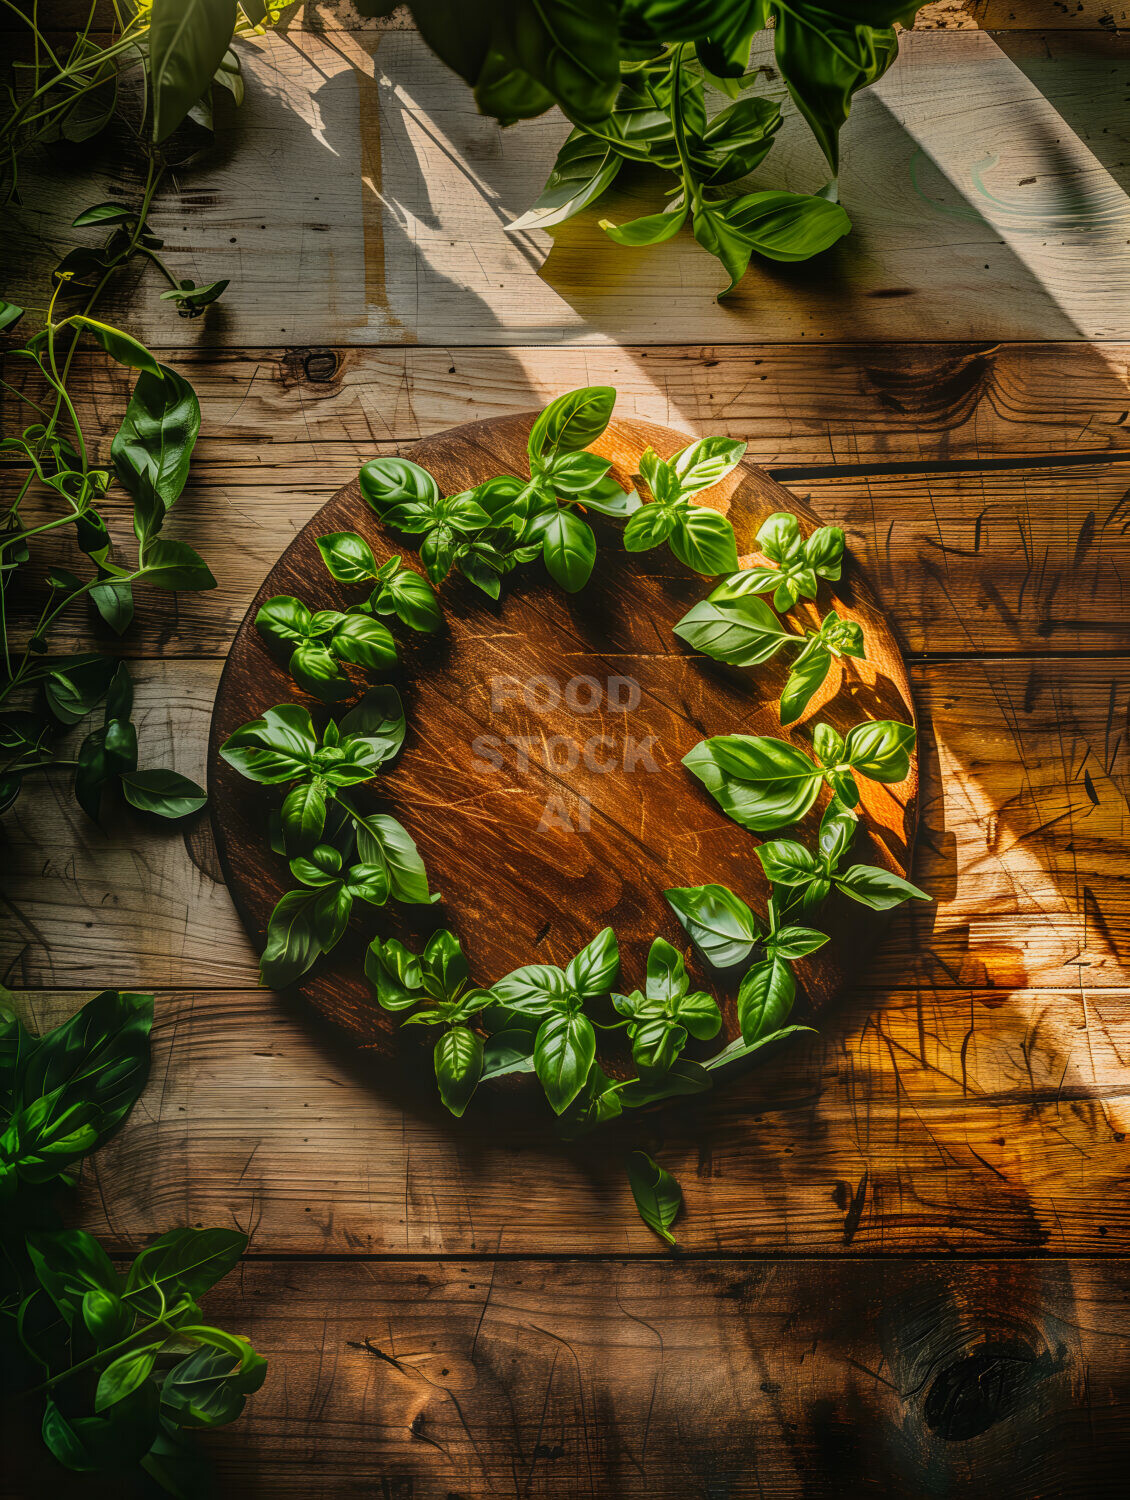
x=187, y=42
x=571, y=422
x=164, y=792
x=703, y=540
x=649, y=229
x=765, y=998
x=720, y=924
x=113, y=599
x=824, y=59
x=569, y=550
x=182, y=1264
x=152, y=449
x=657, y=1195
x=761, y=783
x=394, y=483
x=278, y=746
x=348, y=557
x=458, y=1067
x=805, y=679
x=365, y=642
x=585, y=166
x=877, y=888
x=595, y=967
x=119, y=345
x=123, y=1376
x=175, y=565
x=407, y=595
x=77, y=684
x=564, y=1052
x=292, y=944
x=740, y=631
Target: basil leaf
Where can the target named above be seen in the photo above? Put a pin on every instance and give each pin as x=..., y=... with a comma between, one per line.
x=824, y=59
x=719, y=923
x=175, y=565
x=572, y=422
x=165, y=793
x=564, y=1051
x=315, y=668
x=113, y=600
x=348, y=557
x=666, y=972
x=532, y=989
x=657, y=1195
x=376, y=722
x=458, y=1067
x=595, y=967
x=765, y=998
x=656, y=1043
x=182, y=1263
x=650, y=229
x=292, y=944
x=380, y=838
x=574, y=473
x=364, y=642
x=329, y=914
x=706, y=463
x=761, y=783
x=408, y=596
x=77, y=684
x=585, y=166
x=787, y=862
x=120, y=346
x=569, y=550
x=786, y=226
x=880, y=749
x=742, y=631
x=278, y=746
x=703, y=540
x=740, y=1048
x=795, y=942
x=648, y=527
x=284, y=619
x=608, y=499
x=152, y=449
x=699, y=1013
x=69, y=1264
x=837, y=830
x=394, y=973
x=684, y=1077
x=124, y=1374
x=806, y=678
x=877, y=888
x=824, y=550
x=389, y=482
x=303, y=817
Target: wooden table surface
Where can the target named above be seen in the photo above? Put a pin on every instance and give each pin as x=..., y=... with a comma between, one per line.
x=903, y=1265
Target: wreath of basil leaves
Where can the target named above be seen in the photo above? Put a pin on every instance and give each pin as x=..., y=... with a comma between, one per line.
x=545, y=1019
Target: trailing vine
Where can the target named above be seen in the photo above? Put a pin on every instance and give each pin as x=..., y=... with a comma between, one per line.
x=545, y=1019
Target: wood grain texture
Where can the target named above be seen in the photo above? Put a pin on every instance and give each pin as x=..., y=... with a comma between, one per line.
x=543, y=819
x=359, y=199
x=925, y=1121
x=795, y=405
x=1023, y=828
x=425, y=1382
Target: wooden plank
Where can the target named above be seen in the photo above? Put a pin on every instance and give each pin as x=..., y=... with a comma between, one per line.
x=983, y=173
x=708, y=1379
x=795, y=405
x=1023, y=832
x=925, y=1121
x=1026, y=560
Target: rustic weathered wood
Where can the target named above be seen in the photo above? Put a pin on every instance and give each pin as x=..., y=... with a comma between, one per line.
x=927, y=1120
x=613, y=1378
x=544, y=817
x=378, y=201
x=1022, y=840
x=796, y=405
x=1025, y=560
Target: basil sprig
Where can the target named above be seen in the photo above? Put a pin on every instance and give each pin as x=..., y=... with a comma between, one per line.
x=666, y=1014
x=798, y=563
x=123, y=1364
x=738, y=628
x=702, y=539
x=319, y=642
x=399, y=591
x=764, y=783
x=810, y=877
x=564, y=1047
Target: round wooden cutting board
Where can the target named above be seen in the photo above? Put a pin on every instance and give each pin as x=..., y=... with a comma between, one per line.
x=541, y=774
